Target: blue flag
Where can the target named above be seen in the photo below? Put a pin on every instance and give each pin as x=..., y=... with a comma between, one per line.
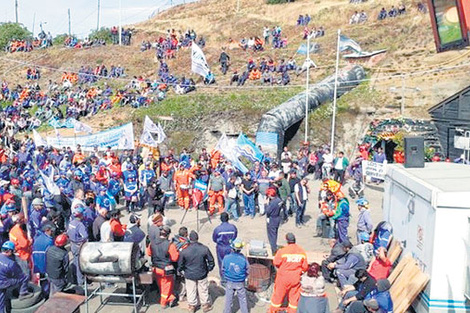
x=248, y=149
x=346, y=43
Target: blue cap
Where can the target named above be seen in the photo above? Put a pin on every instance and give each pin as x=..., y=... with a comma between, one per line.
x=362, y=202
x=78, y=173
x=103, y=188
x=8, y=245
x=364, y=236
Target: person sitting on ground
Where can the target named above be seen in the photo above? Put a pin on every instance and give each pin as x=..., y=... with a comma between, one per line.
x=380, y=266
x=285, y=79
x=379, y=300
x=235, y=77
x=358, y=291
x=382, y=14
x=337, y=252
x=255, y=74
x=300, y=20
x=422, y=8
x=312, y=291
x=345, y=267
x=362, y=17
x=243, y=78
x=354, y=18
x=393, y=12
x=365, y=248
x=267, y=77
x=401, y=9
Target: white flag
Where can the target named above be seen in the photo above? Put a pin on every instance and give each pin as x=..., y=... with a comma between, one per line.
x=198, y=61
x=150, y=126
x=147, y=139
x=79, y=127
x=161, y=134
x=38, y=140
x=49, y=183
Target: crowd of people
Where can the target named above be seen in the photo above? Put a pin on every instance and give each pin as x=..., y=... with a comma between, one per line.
x=51, y=197
x=28, y=45
x=358, y=17
x=393, y=12
x=303, y=20
x=126, y=36
x=74, y=42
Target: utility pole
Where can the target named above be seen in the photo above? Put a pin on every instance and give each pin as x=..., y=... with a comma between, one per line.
x=70, y=25
x=98, y=19
x=16, y=11
x=34, y=21
x=402, y=108
x=120, y=22
x=307, y=105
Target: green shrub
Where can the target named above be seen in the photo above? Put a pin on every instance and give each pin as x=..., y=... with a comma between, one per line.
x=9, y=31
x=59, y=40
x=103, y=33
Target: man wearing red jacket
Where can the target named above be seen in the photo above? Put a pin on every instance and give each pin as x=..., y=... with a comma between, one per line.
x=291, y=262
x=117, y=228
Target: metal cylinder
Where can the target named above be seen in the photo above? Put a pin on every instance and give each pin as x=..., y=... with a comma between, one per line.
x=108, y=258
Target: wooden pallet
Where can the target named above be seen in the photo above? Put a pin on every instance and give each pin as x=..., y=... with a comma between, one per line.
x=394, y=251
x=407, y=282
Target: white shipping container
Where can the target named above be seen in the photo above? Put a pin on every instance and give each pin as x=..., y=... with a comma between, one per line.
x=429, y=209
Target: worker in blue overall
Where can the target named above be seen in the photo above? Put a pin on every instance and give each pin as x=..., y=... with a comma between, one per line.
x=223, y=235
x=11, y=276
x=273, y=217
x=78, y=235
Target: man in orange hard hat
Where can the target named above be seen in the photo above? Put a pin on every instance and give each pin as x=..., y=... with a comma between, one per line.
x=291, y=263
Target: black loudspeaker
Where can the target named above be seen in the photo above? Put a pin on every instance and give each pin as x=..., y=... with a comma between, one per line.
x=414, y=152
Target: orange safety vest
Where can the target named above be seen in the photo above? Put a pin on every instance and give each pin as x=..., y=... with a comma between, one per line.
x=22, y=244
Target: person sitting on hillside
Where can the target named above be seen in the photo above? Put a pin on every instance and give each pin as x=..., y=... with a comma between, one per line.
x=263, y=65
x=258, y=44
x=209, y=79
x=291, y=65
x=282, y=67
x=243, y=44
x=401, y=9
x=271, y=65
x=382, y=14
x=300, y=20
x=255, y=74
x=393, y=12
x=320, y=32
x=251, y=65
x=267, y=77
x=235, y=77
x=285, y=79
x=422, y=8
x=201, y=42
x=243, y=78
x=362, y=17
x=307, y=19
x=354, y=18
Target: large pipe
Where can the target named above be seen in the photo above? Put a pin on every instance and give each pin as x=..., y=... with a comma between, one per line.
x=279, y=119
x=109, y=258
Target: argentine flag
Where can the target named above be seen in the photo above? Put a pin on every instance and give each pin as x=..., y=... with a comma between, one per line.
x=248, y=149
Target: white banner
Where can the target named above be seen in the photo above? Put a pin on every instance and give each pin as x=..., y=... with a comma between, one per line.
x=373, y=169
x=461, y=142
x=121, y=137
x=198, y=61
x=149, y=129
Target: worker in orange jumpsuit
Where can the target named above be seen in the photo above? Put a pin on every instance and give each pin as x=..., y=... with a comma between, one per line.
x=183, y=178
x=291, y=262
x=216, y=192
x=22, y=243
x=215, y=158
x=163, y=253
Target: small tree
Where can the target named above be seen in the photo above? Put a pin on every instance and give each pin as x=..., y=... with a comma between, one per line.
x=9, y=31
x=59, y=39
x=103, y=33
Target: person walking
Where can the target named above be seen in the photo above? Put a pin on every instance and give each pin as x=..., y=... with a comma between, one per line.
x=57, y=264
x=196, y=261
x=223, y=235
x=291, y=263
x=163, y=252
x=11, y=276
x=273, y=217
x=340, y=164
x=235, y=267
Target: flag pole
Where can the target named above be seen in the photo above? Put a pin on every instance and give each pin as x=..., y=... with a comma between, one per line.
x=333, y=119
x=307, y=61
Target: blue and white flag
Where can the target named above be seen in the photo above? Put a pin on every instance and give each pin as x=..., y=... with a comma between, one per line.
x=80, y=127
x=199, y=184
x=248, y=149
x=346, y=43
x=198, y=61
x=303, y=49
x=230, y=153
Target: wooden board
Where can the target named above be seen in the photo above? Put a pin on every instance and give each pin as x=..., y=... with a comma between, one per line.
x=407, y=282
x=394, y=251
x=61, y=303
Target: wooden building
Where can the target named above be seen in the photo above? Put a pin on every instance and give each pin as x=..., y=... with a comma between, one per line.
x=450, y=116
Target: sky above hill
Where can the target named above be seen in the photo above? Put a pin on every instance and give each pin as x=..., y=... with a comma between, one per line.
x=53, y=13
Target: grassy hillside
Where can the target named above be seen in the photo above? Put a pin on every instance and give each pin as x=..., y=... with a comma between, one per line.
x=411, y=61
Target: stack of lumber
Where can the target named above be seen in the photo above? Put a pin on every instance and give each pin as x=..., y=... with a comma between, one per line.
x=407, y=282
x=394, y=251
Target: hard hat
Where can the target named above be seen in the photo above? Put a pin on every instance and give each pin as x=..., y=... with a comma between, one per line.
x=271, y=192
x=103, y=188
x=237, y=244
x=15, y=181
x=37, y=201
x=61, y=240
x=78, y=173
x=364, y=236
x=8, y=245
x=362, y=202
x=78, y=211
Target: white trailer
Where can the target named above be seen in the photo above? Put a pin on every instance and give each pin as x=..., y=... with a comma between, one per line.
x=429, y=209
